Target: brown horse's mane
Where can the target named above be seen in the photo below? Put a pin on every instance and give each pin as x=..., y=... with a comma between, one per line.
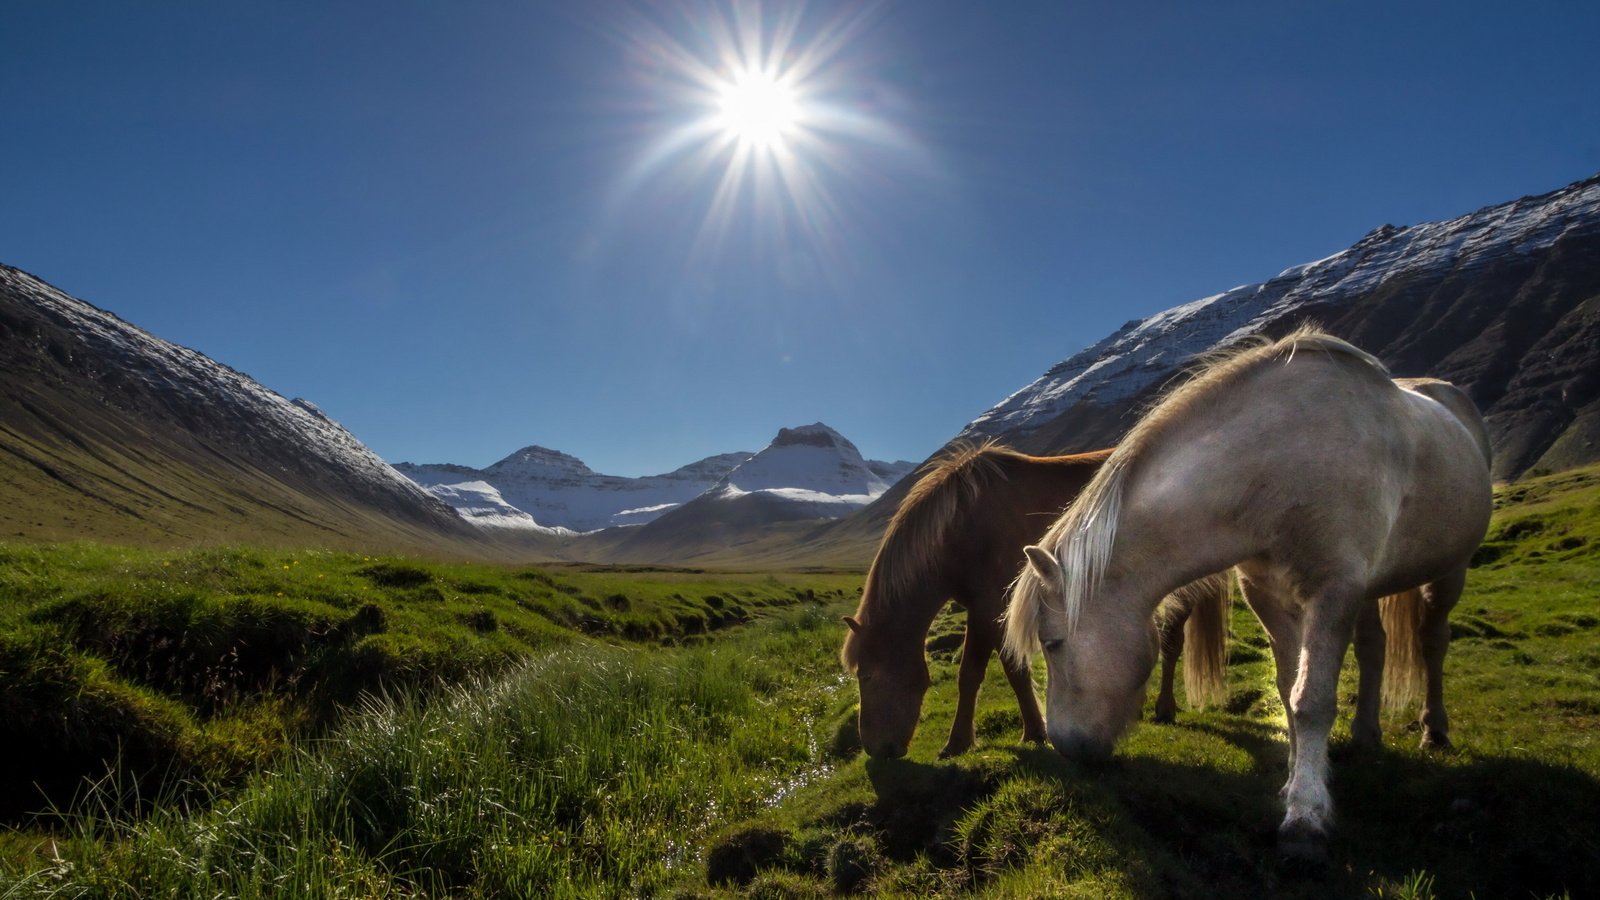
x=918, y=527
x=917, y=531
x=1081, y=539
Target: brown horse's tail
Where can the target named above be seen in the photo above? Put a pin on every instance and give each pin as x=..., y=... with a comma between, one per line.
x=1205, y=640
x=1403, y=665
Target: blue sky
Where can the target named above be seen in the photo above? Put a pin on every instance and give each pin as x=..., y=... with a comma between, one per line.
x=463, y=228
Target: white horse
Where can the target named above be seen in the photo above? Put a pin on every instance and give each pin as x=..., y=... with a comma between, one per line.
x=1325, y=483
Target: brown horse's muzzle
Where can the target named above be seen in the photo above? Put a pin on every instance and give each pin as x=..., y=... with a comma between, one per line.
x=886, y=731
x=886, y=750
x=891, y=704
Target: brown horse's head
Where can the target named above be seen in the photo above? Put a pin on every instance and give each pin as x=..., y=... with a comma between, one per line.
x=893, y=676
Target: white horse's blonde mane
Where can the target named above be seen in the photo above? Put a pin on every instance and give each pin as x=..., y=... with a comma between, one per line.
x=1082, y=539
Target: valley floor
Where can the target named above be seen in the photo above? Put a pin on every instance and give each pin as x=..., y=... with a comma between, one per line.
x=592, y=732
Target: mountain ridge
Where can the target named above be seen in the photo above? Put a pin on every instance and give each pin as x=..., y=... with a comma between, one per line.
x=107, y=430
x=558, y=492
x=1464, y=272
x=804, y=474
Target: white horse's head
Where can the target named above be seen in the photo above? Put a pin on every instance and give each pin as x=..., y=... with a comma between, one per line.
x=1097, y=666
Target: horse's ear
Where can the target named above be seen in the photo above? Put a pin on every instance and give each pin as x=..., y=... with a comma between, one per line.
x=854, y=625
x=1044, y=563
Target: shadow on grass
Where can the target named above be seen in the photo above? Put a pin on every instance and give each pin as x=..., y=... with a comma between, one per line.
x=1489, y=825
x=919, y=805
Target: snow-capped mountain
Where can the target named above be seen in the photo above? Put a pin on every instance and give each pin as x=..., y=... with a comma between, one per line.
x=814, y=469
x=557, y=491
x=806, y=473
x=109, y=430
x=1502, y=301
x=554, y=490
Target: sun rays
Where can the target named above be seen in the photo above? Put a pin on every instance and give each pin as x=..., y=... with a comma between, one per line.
x=762, y=128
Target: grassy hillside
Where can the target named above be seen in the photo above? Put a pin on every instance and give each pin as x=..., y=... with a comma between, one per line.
x=73, y=468
x=723, y=764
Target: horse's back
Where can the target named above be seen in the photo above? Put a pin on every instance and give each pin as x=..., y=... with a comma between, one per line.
x=1457, y=402
x=1394, y=470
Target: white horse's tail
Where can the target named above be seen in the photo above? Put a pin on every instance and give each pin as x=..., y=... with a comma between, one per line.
x=1403, y=665
x=1205, y=640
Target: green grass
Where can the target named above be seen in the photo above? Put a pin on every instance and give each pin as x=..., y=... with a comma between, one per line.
x=596, y=746
x=591, y=769
x=198, y=667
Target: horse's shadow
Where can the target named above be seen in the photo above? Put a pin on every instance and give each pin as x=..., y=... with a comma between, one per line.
x=1493, y=825
x=919, y=804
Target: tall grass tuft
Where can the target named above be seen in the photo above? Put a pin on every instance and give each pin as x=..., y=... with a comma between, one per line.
x=590, y=770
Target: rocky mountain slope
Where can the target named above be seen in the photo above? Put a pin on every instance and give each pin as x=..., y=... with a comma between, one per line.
x=1504, y=302
x=108, y=432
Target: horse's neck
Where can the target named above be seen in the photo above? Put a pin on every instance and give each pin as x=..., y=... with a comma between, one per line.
x=910, y=609
x=1050, y=483
x=1211, y=489
x=1178, y=522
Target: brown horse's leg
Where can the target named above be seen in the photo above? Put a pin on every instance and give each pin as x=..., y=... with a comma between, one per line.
x=1021, y=678
x=1371, y=643
x=1171, y=649
x=981, y=640
x=1441, y=597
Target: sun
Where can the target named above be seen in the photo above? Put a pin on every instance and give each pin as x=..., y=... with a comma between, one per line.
x=769, y=131
x=757, y=109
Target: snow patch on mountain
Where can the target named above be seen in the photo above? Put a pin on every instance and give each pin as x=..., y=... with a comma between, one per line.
x=479, y=503
x=1144, y=351
x=559, y=490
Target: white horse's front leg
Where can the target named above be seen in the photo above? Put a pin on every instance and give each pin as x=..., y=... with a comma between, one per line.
x=1313, y=705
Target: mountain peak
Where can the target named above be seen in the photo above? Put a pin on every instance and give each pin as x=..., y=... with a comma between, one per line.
x=534, y=456
x=814, y=457
x=813, y=435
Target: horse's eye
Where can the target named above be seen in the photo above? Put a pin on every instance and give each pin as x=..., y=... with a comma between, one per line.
x=1053, y=646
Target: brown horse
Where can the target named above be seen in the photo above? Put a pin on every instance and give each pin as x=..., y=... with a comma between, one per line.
x=959, y=534
x=1327, y=484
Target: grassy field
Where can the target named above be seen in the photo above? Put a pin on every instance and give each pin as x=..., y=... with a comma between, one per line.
x=568, y=731
x=1191, y=809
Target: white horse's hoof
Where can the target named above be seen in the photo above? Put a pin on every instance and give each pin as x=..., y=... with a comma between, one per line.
x=1303, y=843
